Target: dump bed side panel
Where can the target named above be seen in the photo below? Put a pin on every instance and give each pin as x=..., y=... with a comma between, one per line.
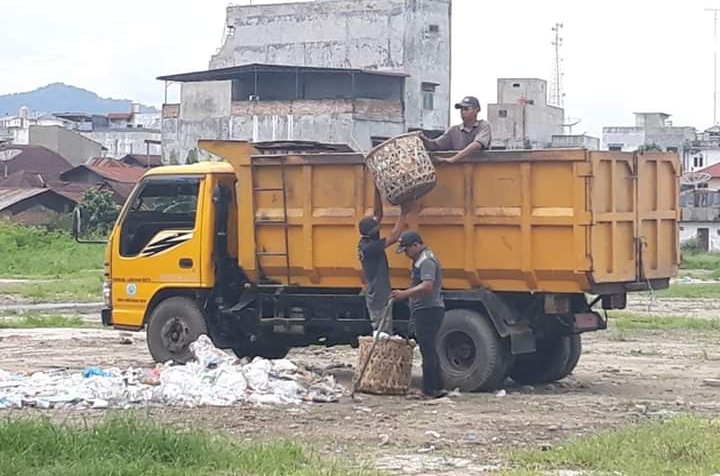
x=545, y=220
x=658, y=215
x=614, y=209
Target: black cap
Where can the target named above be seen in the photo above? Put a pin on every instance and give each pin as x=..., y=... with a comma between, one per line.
x=468, y=101
x=408, y=238
x=368, y=226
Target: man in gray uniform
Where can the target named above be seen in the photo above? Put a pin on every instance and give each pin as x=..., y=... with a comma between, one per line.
x=470, y=136
x=426, y=305
x=371, y=253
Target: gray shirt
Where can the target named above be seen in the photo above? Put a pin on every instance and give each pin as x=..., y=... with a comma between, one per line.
x=371, y=253
x=458, y=137
x=427, y=268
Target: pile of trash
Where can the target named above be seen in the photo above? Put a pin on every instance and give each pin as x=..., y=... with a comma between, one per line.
x=214, y=378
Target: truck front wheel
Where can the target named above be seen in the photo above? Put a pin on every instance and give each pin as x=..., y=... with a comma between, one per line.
x=554, y=359
x=174, y=324
x=472, y=355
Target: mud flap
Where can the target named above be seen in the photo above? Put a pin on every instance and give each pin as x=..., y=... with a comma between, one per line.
x=522, y=340
x=588, y=322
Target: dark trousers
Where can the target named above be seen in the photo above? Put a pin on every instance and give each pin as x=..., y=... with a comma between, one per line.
x=427, y=327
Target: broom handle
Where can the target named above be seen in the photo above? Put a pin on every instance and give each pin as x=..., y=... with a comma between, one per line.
x=372, y=349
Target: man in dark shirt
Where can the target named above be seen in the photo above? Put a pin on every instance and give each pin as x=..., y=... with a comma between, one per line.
x=426, y=305
x=470, y=136
x=371, y=253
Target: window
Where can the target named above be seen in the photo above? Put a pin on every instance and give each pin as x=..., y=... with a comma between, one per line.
x=161, y=204
x=428, y=96
x=698, y=161
x=615, y=148
x=502, y=112
x=516, y=85
x=434, y=29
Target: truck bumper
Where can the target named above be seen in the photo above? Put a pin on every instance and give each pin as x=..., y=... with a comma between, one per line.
x=106, y=316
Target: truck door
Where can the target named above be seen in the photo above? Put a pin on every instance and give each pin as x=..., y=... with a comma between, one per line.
x=157, y=245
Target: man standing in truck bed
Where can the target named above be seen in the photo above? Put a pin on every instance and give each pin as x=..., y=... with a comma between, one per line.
x=470, y=136
x=376, y=271
x=426, y=305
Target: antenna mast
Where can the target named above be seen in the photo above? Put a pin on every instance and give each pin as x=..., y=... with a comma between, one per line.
x=556, y=94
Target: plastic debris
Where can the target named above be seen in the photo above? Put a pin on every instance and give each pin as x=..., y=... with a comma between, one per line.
x=214, y=378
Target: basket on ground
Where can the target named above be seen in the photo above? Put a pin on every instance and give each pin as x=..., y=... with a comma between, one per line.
x=402, y=168
x=390, y=367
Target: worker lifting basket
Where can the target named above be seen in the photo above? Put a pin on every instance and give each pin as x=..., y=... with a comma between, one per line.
x=402, y=168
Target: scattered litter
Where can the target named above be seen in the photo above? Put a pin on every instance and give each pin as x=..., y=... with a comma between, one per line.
x=712, y=382
x=384, y=439
x=433, y=434
x=454, y=393
x=214, y=378
x=501, y=393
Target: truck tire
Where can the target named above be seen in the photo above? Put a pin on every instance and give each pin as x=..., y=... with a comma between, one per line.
x=575, y=353
x=174, y=324
x=554, y=359
x=472, y=355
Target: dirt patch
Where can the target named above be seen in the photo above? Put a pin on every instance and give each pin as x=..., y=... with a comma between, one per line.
x=649, y=374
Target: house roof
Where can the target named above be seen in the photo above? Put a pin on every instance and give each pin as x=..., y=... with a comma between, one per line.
x=123, y=174
x=120, y=116
x=10, y=196
x=712, y=170
x=143, y=160
x=231, y=72
x=24, y=178
x=33, y=158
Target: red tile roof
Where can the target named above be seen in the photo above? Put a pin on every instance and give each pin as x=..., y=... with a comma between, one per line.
x=713, y=170
x=125, y=174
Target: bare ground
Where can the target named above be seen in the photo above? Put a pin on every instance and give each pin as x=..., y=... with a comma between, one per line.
x=617, y=382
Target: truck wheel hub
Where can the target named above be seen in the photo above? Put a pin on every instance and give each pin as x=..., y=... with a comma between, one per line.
x=174, y=335
x=460, y=350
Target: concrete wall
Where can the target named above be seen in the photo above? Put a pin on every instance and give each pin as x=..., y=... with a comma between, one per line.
x=511, y=90
x=514, y=125
x=412, y=36
x=571, y=141
x=121, y=142
x=653, y=119
x=630, y=138
x=689, y=231
x=74, y=147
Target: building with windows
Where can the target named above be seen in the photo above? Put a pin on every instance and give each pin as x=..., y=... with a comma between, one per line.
x=522, y=118
x=332, y=71
x=650, y=129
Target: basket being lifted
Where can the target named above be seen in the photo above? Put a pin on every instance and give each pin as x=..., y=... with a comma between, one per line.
x=402, y=168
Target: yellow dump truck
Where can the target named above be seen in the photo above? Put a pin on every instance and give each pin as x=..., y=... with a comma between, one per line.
x=259, y=251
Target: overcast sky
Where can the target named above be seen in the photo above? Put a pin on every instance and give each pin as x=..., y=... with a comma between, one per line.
x=619, y=56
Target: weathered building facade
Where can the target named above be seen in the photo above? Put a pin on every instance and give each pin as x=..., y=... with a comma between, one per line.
x=651, y=128
x=341, y=71
x=522, y=118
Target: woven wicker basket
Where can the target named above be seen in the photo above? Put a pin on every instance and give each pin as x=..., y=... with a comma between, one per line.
x=402, y=168
x=390, y=367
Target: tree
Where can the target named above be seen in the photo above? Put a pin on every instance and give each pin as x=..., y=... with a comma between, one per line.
x=99, y=211
x=192, y=157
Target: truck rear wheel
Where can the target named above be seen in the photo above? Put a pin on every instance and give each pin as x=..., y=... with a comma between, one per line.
x=554, y=359
x=173, y=325
x=472, y=355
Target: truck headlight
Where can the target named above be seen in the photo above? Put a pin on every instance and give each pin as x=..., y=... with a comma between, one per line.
x=107, y=295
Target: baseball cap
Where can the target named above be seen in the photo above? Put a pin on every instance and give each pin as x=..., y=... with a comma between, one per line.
x=468, y=101
x=368, y=226
x=408, y=238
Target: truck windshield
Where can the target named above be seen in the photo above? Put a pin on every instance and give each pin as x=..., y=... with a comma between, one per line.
x=162, y=204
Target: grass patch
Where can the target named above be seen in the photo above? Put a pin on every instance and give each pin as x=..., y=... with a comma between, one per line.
x=680, y=446
x=35, y=252
x=701, y=261
x=81, y=287
x=624, y=321
x=130, y=447
x=31, y=321
x=690, y=291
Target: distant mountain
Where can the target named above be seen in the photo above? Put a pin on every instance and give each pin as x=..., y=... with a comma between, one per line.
x=59, y=97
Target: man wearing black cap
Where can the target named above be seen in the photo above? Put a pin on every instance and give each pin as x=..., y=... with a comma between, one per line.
x=371, y=253
x=470, y=136
x=426, y=305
